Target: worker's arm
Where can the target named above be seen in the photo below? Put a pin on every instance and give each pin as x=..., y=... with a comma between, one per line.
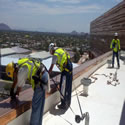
x=14, y=79
x=22, y=76
x=54, y=59
x=111, y=45
x=12, y=94
x=51, y=68
x=119, y=47
x=19, y=79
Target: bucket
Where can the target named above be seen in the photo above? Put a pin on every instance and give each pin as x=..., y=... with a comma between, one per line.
x=85, y=90
x=109, y=62
x=86, y=82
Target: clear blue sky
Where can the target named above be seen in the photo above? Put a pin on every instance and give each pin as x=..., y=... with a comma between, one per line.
x=53, y=15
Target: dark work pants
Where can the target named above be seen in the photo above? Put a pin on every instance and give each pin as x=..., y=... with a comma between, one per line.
x=66, y=90
x=115, y=54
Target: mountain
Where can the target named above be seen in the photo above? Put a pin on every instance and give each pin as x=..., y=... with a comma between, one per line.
x=4, y=27
x=41, y=29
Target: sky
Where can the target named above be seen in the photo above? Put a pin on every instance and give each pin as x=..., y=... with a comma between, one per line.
x=53, y=15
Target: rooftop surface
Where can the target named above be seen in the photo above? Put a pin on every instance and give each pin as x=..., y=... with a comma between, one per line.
x=108, y=98
x=18, y=49
x=104, y=102
x=7, y=51
x=40, y=55
x=47, y=62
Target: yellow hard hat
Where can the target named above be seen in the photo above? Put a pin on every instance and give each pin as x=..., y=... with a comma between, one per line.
x=10, y=69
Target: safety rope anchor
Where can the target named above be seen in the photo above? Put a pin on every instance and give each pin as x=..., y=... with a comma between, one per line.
x=85, y=116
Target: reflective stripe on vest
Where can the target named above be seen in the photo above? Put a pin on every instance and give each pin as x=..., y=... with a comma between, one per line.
x=115, y=44
x=32, y=68
x=61, y=56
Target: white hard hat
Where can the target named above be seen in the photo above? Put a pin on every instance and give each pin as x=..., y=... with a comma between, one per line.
x=116, y=34
x=51, y=46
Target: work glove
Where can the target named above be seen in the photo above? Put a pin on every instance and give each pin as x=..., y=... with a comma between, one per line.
x=12, y=94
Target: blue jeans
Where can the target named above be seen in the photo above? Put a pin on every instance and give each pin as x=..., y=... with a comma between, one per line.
x=115, y=54
x=38, y=102
x=37, y=106
x=66, y=99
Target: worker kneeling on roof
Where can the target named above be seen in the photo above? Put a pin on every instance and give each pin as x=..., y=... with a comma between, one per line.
x=34, y=71
x=62, y=59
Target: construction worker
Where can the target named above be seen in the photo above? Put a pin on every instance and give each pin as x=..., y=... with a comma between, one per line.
x=62, y=59
x=34, y=71
x=115, y=46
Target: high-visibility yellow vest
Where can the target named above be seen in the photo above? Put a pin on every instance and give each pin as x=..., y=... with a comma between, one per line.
x=32, y=68
x=115, y=45
x=62, y=56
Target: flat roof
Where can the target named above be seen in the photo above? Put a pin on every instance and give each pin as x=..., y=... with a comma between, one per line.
x=104, y=102
x=18, y=49
x=47, y=62
x=17, y=113
x=40, y=55
x=5, y=60
x=7, y=51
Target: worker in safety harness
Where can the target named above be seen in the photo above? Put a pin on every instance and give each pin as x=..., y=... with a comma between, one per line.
x=115, y=46
x=34, y=71
x=62, y=59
